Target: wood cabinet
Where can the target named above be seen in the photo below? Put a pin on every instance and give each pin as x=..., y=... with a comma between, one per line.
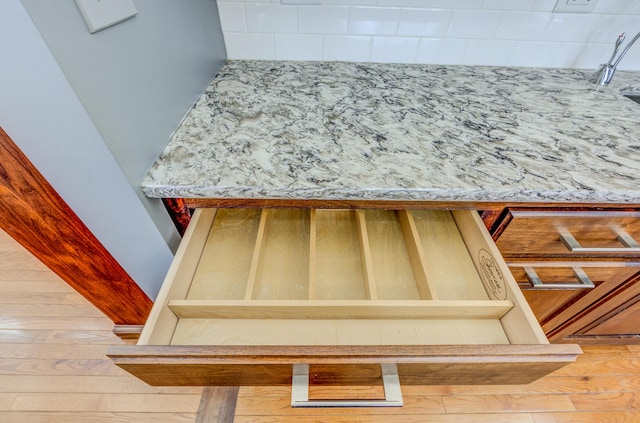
x=577, y=268
x=253, y=292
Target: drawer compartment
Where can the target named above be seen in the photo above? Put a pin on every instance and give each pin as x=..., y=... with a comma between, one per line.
x=587, y=233
x=253, y=292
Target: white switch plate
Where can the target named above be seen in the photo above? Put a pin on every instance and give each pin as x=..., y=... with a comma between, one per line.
x=101, y=14
x=575, y=6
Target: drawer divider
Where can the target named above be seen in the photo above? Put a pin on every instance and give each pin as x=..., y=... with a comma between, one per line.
x=340, y=309
x=313, y=286
x=257, y=253
x=416, y=255
x=367, y=261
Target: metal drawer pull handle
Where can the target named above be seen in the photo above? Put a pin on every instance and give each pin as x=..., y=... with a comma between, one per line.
x=300, y=390
x=583, y=280
x=630, y=244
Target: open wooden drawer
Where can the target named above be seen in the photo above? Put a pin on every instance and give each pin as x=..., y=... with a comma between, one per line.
x=253, y=292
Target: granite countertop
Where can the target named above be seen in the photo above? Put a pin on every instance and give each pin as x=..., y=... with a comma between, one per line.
x=364, y=131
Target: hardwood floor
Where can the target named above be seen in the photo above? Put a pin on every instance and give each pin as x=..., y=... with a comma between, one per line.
x=53, y=369
x=52, y=362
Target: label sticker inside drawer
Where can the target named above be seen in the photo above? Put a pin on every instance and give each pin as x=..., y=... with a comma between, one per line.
x=491, y=275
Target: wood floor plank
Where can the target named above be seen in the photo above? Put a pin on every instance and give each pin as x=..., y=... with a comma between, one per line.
x=20, y=297
x=584, y=384
x=87, y=336
x=95, y=417
x=281, y=406
x=59, y=336
x=634, y=349
x=106, y=402
x=398, y=418
x=507, y=403
x=15, y=366
x=16, y=335
x=31, y=275
x=48, y=351
x=7, y=400
x=614, y=366
x=39, y=286
x=17, y=259
x=613, y=401
x=592, y=417
x=599, y=352
x=123, y=384
x=55, y=323
x=50, y=310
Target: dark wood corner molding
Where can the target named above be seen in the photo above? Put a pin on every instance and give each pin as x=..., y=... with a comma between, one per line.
x=33, y=213
x=179, y=212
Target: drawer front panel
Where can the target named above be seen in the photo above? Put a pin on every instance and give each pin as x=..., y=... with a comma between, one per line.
x=356, y=365
x=539, y=233
x=387, y=283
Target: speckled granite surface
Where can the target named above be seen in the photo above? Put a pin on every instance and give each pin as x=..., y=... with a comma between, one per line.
x=314, y=130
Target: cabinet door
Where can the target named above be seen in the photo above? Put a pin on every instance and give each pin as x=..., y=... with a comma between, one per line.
x=626, y=322
x=622, y=315
x=557, y=309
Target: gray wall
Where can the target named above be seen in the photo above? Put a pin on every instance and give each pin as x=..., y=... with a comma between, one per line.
x=137, y=79
x=41, y=112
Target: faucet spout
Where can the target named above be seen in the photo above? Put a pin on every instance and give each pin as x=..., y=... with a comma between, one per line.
x=605, y=72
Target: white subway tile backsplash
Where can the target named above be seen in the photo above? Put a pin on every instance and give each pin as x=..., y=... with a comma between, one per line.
x=571, y=27
x=424, y=22
x=373, y=20
x=508, y=4
x=457, y=4
x=523, y=25
x=533, y=53
x=394, y=49
x=271, y=18
x=543, y=5
x=443, y=51
x=581, y=55
x=352, y=2
x=298, y=47
x=491, y=32
x=322, y=19
x=346, y=48
x=232, y=16
x=616, y=6
x=250, y=46
x=631, y=60
x=405, y=3
x=610, y=26
x=488, y=52
x=474, y=23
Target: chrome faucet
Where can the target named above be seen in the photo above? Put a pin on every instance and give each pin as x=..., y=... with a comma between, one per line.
x=605, y=71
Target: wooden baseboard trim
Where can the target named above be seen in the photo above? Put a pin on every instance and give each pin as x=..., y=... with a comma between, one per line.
x=128, y=331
